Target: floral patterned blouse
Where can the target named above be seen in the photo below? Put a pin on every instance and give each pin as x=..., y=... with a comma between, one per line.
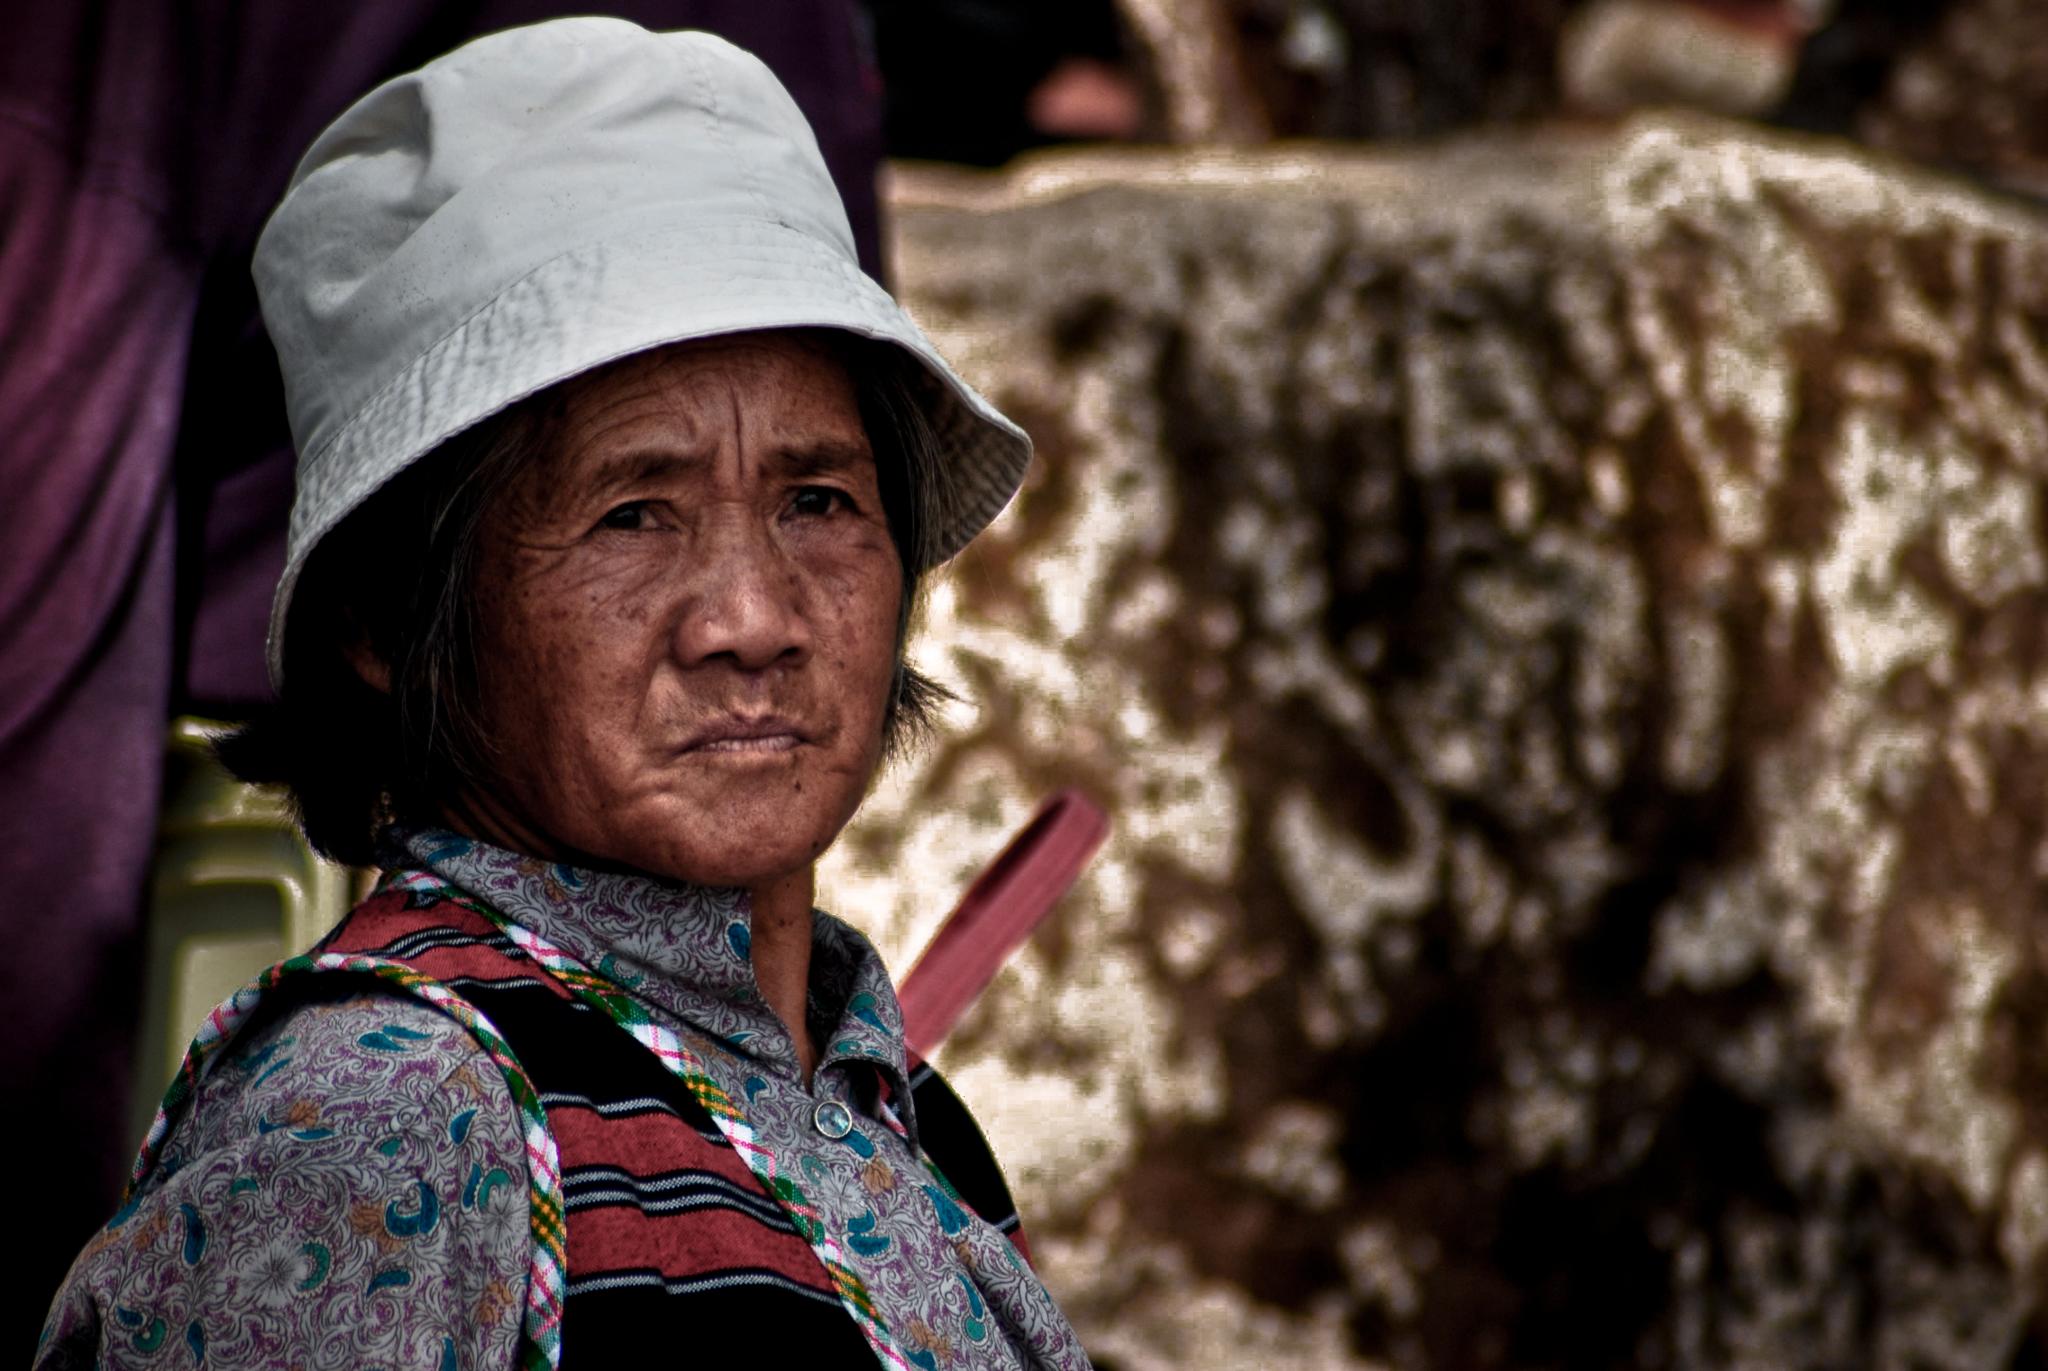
x=348, y=1185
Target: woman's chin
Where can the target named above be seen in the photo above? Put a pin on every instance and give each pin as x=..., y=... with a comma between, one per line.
x=731, y=852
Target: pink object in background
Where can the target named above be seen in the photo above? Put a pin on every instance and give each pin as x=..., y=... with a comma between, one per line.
x=997, y=913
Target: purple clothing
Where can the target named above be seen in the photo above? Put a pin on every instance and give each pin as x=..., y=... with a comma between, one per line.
x=146, y=465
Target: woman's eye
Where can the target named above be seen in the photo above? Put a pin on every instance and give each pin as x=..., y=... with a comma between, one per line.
x=818, y=500
x=630, y=516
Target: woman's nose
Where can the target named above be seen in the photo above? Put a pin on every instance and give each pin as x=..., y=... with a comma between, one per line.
x=747, y=605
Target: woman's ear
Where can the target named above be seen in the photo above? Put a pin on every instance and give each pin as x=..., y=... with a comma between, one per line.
x=369, y=664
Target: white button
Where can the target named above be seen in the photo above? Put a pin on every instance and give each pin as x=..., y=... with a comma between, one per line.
x=832, y=1118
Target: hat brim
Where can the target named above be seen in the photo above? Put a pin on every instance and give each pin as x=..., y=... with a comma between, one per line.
x=616, y=297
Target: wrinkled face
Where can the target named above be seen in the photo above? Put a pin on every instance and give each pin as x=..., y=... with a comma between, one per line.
x=687, y=614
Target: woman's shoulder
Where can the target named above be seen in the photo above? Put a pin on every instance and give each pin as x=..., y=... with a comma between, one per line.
x=342, y=1058
x=353, y=1153
x=949, y=1135
x=404, y=916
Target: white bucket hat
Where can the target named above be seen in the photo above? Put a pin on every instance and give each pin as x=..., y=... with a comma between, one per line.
x=540, y=202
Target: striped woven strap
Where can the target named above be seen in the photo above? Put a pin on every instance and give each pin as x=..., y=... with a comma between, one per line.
x=547, y=1277
x=674, y=1052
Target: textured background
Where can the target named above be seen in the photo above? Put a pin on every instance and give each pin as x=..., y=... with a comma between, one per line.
x=1559, y=624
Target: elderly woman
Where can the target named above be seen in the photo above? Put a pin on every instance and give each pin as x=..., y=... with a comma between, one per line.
x=617, y=479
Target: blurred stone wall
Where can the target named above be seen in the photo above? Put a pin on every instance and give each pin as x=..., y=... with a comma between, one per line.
x=1562, y=629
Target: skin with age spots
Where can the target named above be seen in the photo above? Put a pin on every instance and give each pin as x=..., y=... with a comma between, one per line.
x=688, y=609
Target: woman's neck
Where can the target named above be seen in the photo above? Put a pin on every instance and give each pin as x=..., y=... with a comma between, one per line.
x=779, y=924
x=780, y=929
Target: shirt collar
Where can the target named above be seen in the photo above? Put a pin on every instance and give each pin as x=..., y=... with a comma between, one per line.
x=686, y=950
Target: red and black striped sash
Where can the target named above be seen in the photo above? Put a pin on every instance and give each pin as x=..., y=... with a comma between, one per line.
x=672, y=1241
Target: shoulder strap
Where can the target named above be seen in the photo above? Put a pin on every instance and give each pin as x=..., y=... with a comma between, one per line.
x=541, y=1347
x=677, y=1052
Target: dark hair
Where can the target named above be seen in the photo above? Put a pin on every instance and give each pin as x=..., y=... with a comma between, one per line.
x=397, y=573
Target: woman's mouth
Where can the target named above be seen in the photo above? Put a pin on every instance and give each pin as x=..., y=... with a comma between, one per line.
x=771, y=742
x=739, y=734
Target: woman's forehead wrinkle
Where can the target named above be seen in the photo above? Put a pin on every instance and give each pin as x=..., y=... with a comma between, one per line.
x=769, y=409
x=772, y=404
x=641, y=404
x=622, y=434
